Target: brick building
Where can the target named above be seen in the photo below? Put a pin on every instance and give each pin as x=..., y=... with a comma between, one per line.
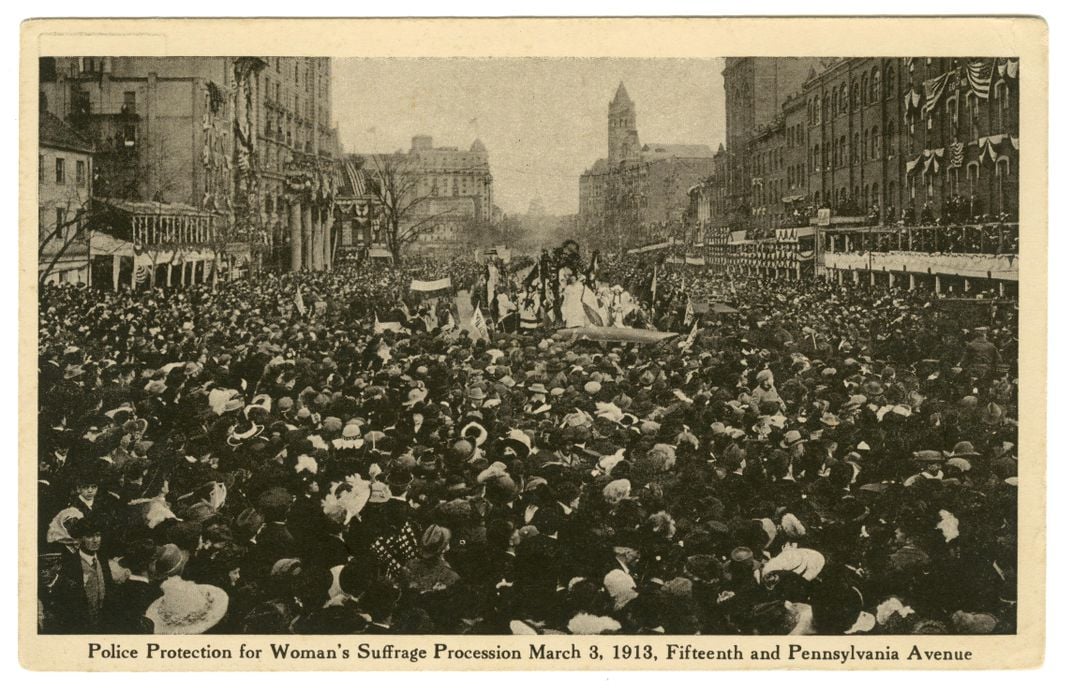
x=246, y=139
x=639, y=193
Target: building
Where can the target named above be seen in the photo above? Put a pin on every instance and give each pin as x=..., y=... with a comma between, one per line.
x=246, y=139
x=755, y=90
x=449, y=198
x=64, y=193
x=639, y=193
x=903, y=155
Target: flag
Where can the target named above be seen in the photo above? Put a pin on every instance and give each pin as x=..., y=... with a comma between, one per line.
x=980, y=72
x=592, y=311
x=480, y=325
x=956, y=154
x=933, y=90
x=299, y=302
x=690, y=312
x=687, y=343
x=654, y=281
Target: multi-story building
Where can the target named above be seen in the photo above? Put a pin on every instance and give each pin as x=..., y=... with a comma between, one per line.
x=64, y=192
x=639, y=192
x=921, y=153
x=244, y=139
x=451, y=199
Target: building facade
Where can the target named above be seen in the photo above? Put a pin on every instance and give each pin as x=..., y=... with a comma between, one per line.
x=450, y=197
x=64, y=194
x=639, y=193
x=246, y=139
x=926, y=146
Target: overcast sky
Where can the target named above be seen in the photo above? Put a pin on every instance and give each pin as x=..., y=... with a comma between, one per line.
x=543, y=120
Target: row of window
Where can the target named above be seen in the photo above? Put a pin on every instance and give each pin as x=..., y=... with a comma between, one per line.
x=61, y=170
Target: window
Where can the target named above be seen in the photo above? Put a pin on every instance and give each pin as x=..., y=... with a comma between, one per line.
x=891, y=193
x=972, y=177
x=951, y=118
x=815, y=160
x=971, y=109
x=873, y=94
x=1001, y=92
x=952, y=180
x=130, y=102
x=842, y=150
x=1001, y=180
x=130, y=135
x=61, y=178
x=856, y=147
x=889, y=143
x=843, y=100
x=855, y=102
x=891, y=82
x=825, y=106
x=61, y=219
x=874, y=142
x=865, y=86
x=80, y=173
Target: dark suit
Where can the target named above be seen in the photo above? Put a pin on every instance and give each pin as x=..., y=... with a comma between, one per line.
x=69, y=602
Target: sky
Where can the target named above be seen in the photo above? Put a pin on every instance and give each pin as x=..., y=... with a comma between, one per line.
x=543, y=121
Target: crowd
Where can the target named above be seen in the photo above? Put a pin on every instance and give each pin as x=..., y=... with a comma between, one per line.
x=262, y=457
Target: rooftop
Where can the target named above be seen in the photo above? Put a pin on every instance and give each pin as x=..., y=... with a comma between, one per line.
x=57, y=134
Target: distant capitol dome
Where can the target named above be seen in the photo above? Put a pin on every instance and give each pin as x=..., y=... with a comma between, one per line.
x=478, y=146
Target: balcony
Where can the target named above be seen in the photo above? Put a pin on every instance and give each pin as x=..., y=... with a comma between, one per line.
x=1005, y=267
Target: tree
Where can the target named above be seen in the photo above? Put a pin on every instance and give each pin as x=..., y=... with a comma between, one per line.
x=54, y=243
x=395, y=185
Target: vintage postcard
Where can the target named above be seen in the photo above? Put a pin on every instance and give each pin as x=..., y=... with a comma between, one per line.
x=531, y=344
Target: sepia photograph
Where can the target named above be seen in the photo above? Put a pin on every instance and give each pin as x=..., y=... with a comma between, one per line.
x=526, y=346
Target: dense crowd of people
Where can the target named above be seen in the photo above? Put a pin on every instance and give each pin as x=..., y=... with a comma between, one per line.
x=264, y=457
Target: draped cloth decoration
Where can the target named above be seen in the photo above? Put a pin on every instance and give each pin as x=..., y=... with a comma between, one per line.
x=931, y=161
x=980, y=74
x=911, y=102
x=997, y=145
x=1010, y=69
x=933, y=90
x=910, y=167
x=929, y=158
x=956, y=155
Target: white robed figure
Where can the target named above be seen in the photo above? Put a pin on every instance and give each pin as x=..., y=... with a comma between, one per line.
x=573, y=313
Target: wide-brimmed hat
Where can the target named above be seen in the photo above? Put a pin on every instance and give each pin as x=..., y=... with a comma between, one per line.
x=962, y=449
x=475, y=432
x=187, y=607
x=242, y=432
x=518, y=442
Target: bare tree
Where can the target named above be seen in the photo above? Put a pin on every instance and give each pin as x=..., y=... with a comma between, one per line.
x=395, y=186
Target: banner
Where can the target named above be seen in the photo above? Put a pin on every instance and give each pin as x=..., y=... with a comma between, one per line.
x=430, y=286
x=480, y=325
x=379, y=327
x=614, y=333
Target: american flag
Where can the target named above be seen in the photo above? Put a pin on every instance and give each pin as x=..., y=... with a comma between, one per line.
x=956, y=154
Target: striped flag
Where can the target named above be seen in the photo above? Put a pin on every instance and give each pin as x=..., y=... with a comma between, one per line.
x=687, y=343
x=980, y=73
x=956, y=154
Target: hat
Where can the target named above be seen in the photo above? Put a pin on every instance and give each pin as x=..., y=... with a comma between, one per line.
x=434, y=541
x=584, y=624
x=806, y=563
x=475, y=433
x=792, y=438
x=518, y=442
x=616, y=490
x=167, y=562
x=993, y=415
x=621, y=587
x=187, y=607
x=592, y=388
x=704, y=567
x=475, y=393
x=537, y=387
x=764, y=375
x=928, y=456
